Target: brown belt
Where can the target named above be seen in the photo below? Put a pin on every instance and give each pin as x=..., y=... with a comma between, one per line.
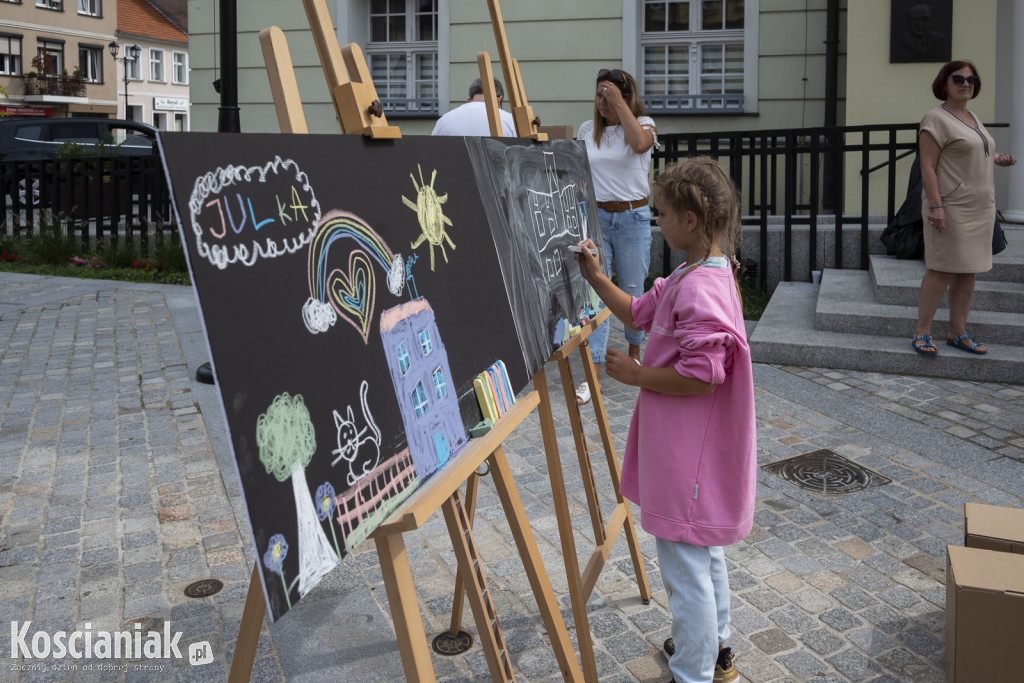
x=622, y=206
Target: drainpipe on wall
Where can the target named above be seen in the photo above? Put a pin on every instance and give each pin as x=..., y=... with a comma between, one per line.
x=228, y=121
x=833, y=182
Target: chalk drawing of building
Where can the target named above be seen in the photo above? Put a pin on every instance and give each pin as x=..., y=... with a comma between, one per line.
x=423, y=385
x=555, y=215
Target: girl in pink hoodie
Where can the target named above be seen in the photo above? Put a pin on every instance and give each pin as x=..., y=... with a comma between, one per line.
x=691, y=455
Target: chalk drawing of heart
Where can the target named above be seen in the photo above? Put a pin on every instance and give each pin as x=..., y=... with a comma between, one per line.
x=352, y=293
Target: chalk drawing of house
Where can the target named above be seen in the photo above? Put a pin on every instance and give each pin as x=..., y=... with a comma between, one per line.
x=554, y=214
x=423, y=385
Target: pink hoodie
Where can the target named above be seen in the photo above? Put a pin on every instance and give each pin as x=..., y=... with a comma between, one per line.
x=691, y=461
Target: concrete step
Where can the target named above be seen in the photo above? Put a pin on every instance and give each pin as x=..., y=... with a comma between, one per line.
x=898, y=282
x=846, y=304
x=786, y=335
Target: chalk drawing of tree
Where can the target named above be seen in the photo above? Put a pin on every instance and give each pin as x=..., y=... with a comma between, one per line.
x=277, y=550
x=324, y=507
x=285, y=437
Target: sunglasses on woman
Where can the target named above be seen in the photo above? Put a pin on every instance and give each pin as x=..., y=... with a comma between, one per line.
x=959, y=80
x=614, y=75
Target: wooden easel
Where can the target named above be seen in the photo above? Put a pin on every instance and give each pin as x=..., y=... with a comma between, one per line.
x=357, y=109
x=581, y=585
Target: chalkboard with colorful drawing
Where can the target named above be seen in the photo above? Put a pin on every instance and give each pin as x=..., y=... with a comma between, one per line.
x=351, y=292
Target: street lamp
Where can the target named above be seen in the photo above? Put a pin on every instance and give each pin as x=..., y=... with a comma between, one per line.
x=131, y=53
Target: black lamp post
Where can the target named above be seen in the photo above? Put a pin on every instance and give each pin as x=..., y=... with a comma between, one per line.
x=131, y=54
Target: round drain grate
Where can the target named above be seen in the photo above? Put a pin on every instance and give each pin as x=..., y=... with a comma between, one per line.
x=204, y=588
x=450, y=645
x=826, y=472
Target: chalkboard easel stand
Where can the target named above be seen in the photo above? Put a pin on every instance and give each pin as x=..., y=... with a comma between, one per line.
x=581, y=585
x=440, y=491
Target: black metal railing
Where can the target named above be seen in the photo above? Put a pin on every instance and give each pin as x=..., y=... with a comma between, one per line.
x=97, y=198
x=797, y=177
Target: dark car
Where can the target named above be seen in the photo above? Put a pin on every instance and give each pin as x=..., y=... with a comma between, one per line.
x=29, y=139
x=39, y=139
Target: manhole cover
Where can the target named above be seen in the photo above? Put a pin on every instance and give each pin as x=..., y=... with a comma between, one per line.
x=449, y=645
x=826, y=472
x=204, y=588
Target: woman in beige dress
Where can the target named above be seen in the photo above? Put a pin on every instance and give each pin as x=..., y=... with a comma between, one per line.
x=959, y=205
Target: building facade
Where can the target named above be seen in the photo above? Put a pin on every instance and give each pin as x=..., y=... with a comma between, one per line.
x=54, y=59
x=155, y=87
x=716, y=65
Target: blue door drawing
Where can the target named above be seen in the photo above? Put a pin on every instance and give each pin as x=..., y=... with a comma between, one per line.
x=440, y=448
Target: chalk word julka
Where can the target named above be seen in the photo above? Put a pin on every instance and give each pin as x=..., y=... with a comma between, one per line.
x=240, y=214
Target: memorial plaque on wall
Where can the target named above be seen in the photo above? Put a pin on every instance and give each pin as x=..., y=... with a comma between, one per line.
x=921, y=31
x=351, y=290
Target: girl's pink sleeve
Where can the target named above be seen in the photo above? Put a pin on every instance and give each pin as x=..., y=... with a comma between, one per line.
x=643, y=307
x=704, y=351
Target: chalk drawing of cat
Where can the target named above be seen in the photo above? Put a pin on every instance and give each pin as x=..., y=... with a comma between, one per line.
x=351, y=441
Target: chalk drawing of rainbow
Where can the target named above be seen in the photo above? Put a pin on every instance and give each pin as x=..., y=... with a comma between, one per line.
x=350, y=294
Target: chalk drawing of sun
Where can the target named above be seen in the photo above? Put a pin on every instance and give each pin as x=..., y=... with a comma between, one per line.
x=430, y=215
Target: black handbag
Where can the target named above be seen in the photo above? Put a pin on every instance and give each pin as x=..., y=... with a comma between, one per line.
x=998, y=236
x=904, y=236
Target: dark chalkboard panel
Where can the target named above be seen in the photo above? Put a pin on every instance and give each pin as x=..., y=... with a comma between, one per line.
x=351, y=290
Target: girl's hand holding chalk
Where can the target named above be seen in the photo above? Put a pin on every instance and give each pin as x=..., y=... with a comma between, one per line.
x=579, y=249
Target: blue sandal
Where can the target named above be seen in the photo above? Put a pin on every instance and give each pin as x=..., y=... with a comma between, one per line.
x=920, y=348
x=955, y=343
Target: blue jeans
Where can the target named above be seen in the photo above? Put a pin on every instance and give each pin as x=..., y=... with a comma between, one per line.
x=697, y=583
x=626, y=237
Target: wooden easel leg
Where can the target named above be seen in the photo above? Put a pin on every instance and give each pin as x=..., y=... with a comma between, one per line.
x=471, y=569
x=613, y=468
x=575, y=421
x=460, y=589
x=412, y=640
x=565, y=530
x=534, y=566
x=249, y=630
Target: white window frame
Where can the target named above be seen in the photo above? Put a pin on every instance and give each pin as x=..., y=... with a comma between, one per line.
x=11, y=61
x=57, y=5
x=160, y=120
x=440, y=386
x=54, y=48
x=133, y=67
x=635, y=40
x=157, y=73
x=90, y=8
x=91, y=67
x=416, y=91
x=179, y=68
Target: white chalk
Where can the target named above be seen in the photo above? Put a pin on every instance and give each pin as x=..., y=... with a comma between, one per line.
x=579, y=250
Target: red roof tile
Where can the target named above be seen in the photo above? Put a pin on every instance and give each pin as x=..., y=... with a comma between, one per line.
x=140, y=18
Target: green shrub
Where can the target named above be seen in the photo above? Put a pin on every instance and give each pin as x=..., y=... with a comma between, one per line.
x=52, y=243
x=119, y=254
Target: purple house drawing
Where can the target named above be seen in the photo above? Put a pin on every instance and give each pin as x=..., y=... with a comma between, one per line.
x=423, y=385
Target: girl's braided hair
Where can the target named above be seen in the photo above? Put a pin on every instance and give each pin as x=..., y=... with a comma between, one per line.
x=700, y=185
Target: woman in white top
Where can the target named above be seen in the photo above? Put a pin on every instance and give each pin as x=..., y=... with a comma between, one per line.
x=619, y=142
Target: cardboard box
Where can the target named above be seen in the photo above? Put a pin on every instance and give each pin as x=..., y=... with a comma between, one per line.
x=991, y=527
x=984, y=615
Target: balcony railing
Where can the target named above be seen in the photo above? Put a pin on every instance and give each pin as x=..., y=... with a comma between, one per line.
x=59, y=85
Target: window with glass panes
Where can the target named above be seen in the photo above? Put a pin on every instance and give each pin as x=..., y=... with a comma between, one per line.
x=693, y=55
x=180, y=70
x=50, y=56
x=10, y=55
x=90, y=63
x=156, y=65
x=93, y=8
x=402, y=55
x=133, y=66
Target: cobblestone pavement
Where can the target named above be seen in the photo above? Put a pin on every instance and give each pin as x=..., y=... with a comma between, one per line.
x=117, y=491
